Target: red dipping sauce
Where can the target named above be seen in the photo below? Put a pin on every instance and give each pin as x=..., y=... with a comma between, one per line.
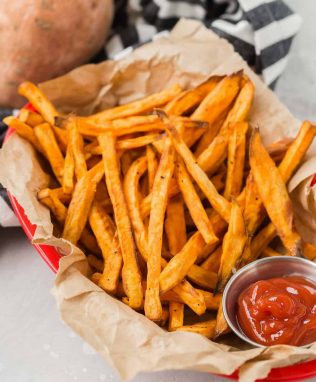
x=279, y=311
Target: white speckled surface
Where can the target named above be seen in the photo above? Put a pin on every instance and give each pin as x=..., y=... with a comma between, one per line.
x=34, y=344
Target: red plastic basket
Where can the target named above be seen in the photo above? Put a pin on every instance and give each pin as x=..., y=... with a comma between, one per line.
x=51, y=256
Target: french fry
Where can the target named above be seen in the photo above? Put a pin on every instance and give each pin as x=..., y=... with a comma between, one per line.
x=297, y=151
x=175, y=225
x=259, y=243
x=40, y=102
x=137, y=107
x=189, y=99
x=45, y=136
x=254, y=211
x=234, y=244
x=24, y=131
x=69, y=171
x=79, y=207
x=206, y=328
x=194, y=204
x=219, y=99
x=30, y=118
x=176, y=315
x=152, y=166
x=236, y=160
x=273, y=193
x=179, y=265
x=58, y=192
x=130, y=272
x=209, y=136
x=155, y=231
x=211, y=302
x=309, y=251
x=131, y=192
x=76, y=143
x=190, y=296
x=221, y=326
x=218, y=202
x=62, y=138
x=95, y=277
x=125, y=160
x=213, y=262
x=104, y=229
x=96, y=263
x=202, y=277
x=269, y=252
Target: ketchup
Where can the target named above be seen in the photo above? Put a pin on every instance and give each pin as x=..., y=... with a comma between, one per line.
x=279, y=311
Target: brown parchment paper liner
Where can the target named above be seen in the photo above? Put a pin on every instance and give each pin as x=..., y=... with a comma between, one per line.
x=126, y=339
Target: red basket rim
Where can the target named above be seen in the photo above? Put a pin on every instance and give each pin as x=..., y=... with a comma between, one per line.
x=51, y=256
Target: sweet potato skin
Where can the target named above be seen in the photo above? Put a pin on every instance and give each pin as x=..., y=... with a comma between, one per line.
x=36, y=44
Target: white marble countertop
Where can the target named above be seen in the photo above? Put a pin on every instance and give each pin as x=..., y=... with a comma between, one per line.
x=34, y=344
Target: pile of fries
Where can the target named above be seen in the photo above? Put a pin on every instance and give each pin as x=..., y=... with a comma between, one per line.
x=169, y=195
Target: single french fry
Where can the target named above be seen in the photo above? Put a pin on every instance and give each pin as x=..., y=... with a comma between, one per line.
x=236, y=160
x=297, y=151
x=218, y=202
x=58, y=192
x=189, y=99
x=90, y=242
x=175, y=225
x=133, y=143
x=176, y=315
x=79, y=207
x=104, y=229
x=273, y=193
x=96, y=263
x=40, y=102
x=130, y=272
x=69, y=171
x=131, y=192
x=152, y=166
x=254, y=211
x=259, y=243
x=221, y=326
x=179, y=265
x=234, y=244
x=211, y=302
x=62, y=138
x=95, y=277
x=190, y=296
x=194, y=203
x=213, y=262
x=125, y=161
x=24, y=131
x=219, y=99
x=205, y=328
x=45, y=136
x=269, y=252
x=76, y=143
x=30, y=117
x=202, y=277
x=137, y=107
x=155, y=231
x=214, y=155
x=309, y=251
x=209, y=136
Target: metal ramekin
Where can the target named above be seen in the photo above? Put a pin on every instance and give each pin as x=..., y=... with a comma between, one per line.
x=263, y=269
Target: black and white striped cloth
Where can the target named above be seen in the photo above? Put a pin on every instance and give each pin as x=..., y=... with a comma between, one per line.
x=261, y=31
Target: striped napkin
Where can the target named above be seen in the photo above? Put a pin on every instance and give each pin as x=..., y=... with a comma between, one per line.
x=261, y=31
